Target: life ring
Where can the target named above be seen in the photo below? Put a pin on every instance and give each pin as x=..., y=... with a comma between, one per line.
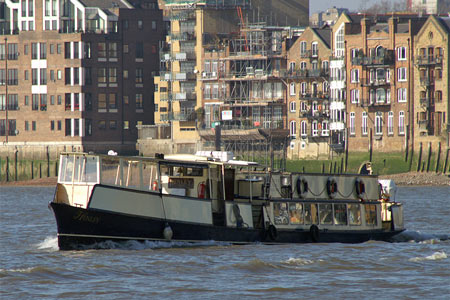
x=332, y=187
x=302, y=187
x=273, y=232
x=155, y=185
x=360, y=187
x=314, y=233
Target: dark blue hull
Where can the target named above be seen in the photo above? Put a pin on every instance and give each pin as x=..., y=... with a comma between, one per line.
x=78, y=227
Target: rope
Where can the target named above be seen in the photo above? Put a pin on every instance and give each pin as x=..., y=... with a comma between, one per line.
x=317, y=195
x=345, y=196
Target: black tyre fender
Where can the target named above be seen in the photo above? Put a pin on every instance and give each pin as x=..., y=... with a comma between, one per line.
x=314, y=233
x=302, y=187
x=360, y=187
x=272, y=232
x=332, y=187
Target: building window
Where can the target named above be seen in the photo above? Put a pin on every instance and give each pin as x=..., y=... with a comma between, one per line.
x=112, y=50
x=354, y=74
x=303, y=129
x=401, y=123
x=88, y=101
x=315, y=49
x=113, y=124
x=88, y=127
x=364, y=123
x=303, y=46
x=35, y=102
x=59, y=125
x=303, y=65
x=139, y=75
x=112, y=101
x=125, y=49
x=27, y=126
x=325, y=129
x=401, y=53
x=401, y=95
x=126, y=125
x=125, y=74
x=352, y=124
x=101, y=76
x=401, y=74
x=101, y=101
x=112, y=75
x=154, y=25
x=303, y=88
x=293, y=129
x=33, y=125
x=354, y=96
x=43, y=51
x=140, y=24
x=59, y=99
x=52, y=100
x=34, y=50
x=139, y=50
x=52, y=125
x=67, y=76
x=293, y=106
x=101, y=48
x=88, y=75
x=314, y=128
x=139, y=102
x=390, y=123
x=87, y=50
x=102, y=124
x=68, y=101
x=292, y=89
x=378, y=123
x=438, y=96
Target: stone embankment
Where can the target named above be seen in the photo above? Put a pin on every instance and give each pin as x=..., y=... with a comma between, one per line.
x=419, y=178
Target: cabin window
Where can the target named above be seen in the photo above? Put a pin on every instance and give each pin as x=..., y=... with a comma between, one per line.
x=149, y=175
x=66, y=172
x=295, y=213
x=111, y=171
x=311, y=214
x=340, y=214
x=371, y=214
x=280, y=214
x=326, y=214
x=354, y=214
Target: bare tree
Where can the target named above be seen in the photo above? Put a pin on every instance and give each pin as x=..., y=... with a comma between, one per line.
x=383, y=7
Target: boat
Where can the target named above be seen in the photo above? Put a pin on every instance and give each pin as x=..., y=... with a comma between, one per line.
x=210, y=196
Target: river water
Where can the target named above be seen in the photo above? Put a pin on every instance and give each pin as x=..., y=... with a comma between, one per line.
x=416, y=266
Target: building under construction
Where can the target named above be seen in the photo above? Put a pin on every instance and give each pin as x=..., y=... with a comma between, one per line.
x=219, y=67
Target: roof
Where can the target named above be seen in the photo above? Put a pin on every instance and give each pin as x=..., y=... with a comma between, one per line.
x=325, y=35
x=105, y=4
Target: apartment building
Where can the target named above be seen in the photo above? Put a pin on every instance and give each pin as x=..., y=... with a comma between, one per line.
x=77, y=75
x=430, y=85
x=308, y=94
x=380, y=77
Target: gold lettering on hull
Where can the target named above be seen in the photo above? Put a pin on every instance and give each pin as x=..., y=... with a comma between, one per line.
x=85, y=217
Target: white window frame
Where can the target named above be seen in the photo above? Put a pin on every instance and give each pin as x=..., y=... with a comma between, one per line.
x=303, y=65
x=325, y=128
x=303, y=107
x=401, y=122
x=303, y=47
x=292, y=66
x=293, y=106
x=354, y=75
x=402, y=74
x=293, y=129
x=352, y=124
x=378, y=123
x=402, y=95
x=315, y=49
x=390, y=123
x=314, y=128
x=401, y=53
x=303, y=88
x=304, y=129
x=292, y=89
x=354, y=96
x=364, y=124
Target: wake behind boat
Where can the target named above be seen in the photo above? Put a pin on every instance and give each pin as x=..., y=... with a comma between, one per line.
x=210, y=196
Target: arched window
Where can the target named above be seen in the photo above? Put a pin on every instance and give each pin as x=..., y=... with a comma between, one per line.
x=390, y=123
x=381, y=95
x=292, y=89
x=304, y=129
x=293, y=129
x=292, y=106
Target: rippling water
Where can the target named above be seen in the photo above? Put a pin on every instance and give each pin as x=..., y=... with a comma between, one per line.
x=415, y=267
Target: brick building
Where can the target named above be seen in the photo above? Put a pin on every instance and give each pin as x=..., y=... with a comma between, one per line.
x=380, y=74
x=77, y=75
x=308, y=94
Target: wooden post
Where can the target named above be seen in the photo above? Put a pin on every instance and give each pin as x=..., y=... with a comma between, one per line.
x=323, y=168
x=32, y=169
x=48, y=163
x=438, y=159
x=444, y=169
x=7, y=168
x=40, y=170
x=429, y=157
x=15, y=165
x=419, y=161
x=342, y=165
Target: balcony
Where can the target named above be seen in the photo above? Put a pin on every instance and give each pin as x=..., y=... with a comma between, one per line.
x=315, y=96
x=309, y=54
x=182, y=36
x=374, y=82
x=179, y=116
x=315, y=114
x=176, y=76
x=375, y=61
x=425, y=60
x=375, y=102
x=425, y=102
x=181, y=15
x=426, y=81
